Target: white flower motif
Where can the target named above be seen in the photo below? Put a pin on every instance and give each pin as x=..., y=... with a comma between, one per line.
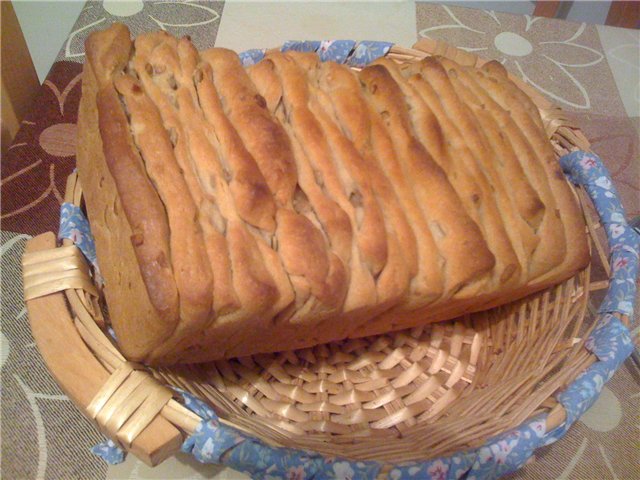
x=395, y=474
x=207, y=448
x=414, y=470
x=539, y=428
x=502, y=449
x=616, y=230
x=603, y=182
x=343, y=471
x=625, y=306
x=617, y=217
x=598, y=381
x=484, y=455
x=546, y=61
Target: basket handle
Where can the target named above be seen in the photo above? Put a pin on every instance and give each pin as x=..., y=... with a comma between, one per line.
x=77, y=371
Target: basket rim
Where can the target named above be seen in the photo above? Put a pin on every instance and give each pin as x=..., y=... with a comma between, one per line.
x=568, y=134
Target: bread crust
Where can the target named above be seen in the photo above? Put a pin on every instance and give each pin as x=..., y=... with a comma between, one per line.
x=128, y=218
x=311, y=138
x=529, y=122
x=459, y=238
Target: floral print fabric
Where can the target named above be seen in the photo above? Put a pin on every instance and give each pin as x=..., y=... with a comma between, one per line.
x=587, y=169
x=75, y=227
x=349, y=52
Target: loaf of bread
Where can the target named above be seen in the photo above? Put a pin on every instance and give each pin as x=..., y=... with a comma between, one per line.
x=239, y=211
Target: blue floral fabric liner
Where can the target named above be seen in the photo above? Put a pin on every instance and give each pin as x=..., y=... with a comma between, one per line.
x=349, y=52
x=586, y=168
x=75, y=227
x=610, y=341
x=306, y=46
x=501, y=455
x=216, y=443
x=109, y=452
x=251, y=57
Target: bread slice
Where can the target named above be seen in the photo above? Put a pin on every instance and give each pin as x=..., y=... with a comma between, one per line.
x=486, y=205
x=463, y=245
x=519, y=158
x=344, y=102
x=310, y=135
x=139, y=283
x=527, y=118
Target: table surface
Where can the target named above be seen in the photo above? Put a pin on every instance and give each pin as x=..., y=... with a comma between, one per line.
x=590, y=71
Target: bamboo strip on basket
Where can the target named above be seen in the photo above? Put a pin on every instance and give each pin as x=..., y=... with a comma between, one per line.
x=76, y=368
x=477, y=351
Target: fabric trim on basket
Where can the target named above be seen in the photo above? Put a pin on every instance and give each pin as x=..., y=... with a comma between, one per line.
x=586, y=169
x=75, y=227
x=348, y=52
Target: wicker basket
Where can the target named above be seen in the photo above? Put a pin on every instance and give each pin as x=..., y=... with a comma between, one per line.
x=409, y=395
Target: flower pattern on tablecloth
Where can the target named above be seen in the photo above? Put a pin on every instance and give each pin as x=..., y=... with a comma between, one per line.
x=558, y=63
x=198, y=19
x=36, y=166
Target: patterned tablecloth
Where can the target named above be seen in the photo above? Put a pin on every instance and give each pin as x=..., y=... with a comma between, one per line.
x=590, y=71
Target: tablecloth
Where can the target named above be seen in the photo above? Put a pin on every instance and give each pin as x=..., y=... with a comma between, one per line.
x=592, y=72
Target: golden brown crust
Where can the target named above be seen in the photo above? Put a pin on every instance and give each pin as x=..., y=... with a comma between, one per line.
x=108, y=53
x=268, y=143
x=520, y=234
x=309, y=135
x=528, y=119
x=524, y=136
x=264, y=138
x=368, y=220
x=251, y=193
x=190, y=263
x=457, y=236
x=551, y=249
x=129, y=222
x=528, y=202
x=343, y=100
x=466, y=176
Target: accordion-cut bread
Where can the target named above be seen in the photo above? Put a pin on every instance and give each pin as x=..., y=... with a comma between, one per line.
x=239, y=211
